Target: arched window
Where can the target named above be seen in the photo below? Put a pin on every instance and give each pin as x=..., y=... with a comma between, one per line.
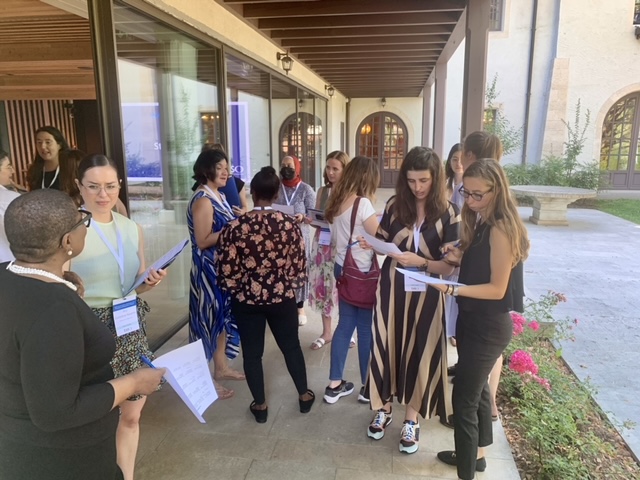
x=620, y=148
x=301, y=135
x=383, y=137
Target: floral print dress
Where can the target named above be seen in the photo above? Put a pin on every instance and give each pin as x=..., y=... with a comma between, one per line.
x=323, y=295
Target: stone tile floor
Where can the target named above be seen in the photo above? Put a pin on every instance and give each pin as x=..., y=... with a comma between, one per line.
x=328, y=443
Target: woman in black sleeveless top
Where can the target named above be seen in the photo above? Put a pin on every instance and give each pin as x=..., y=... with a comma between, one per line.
x=493, y=241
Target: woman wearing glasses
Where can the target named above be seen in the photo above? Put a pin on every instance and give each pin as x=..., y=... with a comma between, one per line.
x=112, y=259
x=493, y=241
x=58, y=397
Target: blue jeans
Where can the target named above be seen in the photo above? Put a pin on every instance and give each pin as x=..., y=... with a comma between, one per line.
x=351, y=317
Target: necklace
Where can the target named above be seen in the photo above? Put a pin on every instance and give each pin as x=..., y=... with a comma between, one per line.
x=42, y=273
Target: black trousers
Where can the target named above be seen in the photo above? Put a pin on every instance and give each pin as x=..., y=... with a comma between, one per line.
x=283, y=322
x=481, y=340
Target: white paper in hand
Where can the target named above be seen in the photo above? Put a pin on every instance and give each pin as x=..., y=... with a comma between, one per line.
x=426, y=278
x=188, y=374
x=380, y=246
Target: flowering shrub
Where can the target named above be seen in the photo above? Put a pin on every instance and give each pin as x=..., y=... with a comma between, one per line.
x=554, y=412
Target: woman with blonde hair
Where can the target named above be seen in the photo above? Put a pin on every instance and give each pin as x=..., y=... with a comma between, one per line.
x=493, y=241
x=350, y=212
x=323, y=295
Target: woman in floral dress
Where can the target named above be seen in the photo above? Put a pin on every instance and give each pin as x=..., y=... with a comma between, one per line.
x=323, y=295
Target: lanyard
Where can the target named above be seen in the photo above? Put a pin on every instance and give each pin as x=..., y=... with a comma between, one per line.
x=286, y=197
x=54, y=177
x=220, y=201
x=117, y=254
x=416, y=236
x=262, y=208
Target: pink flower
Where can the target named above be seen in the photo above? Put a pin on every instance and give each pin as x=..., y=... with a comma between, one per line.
x=522, y=363
x=544, y=382
x=518, y=323
x=535, y=326
x=517, y=329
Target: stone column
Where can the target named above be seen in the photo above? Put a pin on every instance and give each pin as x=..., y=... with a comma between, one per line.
x=440, y=107
x=427, y=124
x=475, y=65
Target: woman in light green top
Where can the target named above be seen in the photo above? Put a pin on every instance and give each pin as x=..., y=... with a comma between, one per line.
x=112, y=259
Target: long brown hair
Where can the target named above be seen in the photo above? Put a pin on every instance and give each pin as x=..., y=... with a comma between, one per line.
x=361, y=177
x=421, y=158
x=483, y=145
x=500, y=213
x=339, y=155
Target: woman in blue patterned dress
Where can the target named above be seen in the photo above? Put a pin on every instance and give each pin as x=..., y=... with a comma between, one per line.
x=210, y=307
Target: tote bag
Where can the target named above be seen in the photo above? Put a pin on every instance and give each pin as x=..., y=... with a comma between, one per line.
x=354, y=286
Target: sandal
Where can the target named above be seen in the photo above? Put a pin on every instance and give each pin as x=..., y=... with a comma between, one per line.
x=223, y=393
x=318, y=343
x=305, y=405
x=229, y=374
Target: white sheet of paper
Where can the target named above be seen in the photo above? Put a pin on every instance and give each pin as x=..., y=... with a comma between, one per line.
x=162, y=263
x=288, y=209
x=426, y=278
x=125, y=315
x=380, y=246
x=413, y=285
x=317, y=219
x=188, y=374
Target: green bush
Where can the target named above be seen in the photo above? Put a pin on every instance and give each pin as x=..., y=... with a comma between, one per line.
x=556, y=171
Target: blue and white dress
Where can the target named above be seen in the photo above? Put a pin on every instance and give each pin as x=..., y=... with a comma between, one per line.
x=209, y=305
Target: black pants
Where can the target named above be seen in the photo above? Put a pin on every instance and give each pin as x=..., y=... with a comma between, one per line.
x=283, y=322
x=481, y=340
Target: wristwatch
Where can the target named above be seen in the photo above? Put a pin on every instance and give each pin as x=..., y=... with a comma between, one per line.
x=455, y=290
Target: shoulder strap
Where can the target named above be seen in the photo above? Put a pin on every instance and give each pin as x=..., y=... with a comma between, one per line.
x=354, y=212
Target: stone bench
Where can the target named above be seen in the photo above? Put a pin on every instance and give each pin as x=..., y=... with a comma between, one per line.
x=550, y=203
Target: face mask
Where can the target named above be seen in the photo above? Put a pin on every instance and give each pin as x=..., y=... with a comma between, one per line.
x=287, y=173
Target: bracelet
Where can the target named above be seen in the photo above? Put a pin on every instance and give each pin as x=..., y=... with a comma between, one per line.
x=455, y=290
x=424, y=266
x=449, y=290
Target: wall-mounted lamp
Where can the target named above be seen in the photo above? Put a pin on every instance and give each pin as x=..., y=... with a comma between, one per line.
x=383, y=101
x=286, y=60
x=330, y=90
x=300, y=103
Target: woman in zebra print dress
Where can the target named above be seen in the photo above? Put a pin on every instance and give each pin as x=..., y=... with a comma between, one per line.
x=210, y=316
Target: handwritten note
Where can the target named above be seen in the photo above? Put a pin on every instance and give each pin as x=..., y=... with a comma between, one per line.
x=188, y=374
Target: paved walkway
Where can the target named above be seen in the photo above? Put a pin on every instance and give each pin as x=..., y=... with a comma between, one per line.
x=595, y=262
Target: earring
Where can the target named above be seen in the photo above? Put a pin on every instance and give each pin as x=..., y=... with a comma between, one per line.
x=70, y=252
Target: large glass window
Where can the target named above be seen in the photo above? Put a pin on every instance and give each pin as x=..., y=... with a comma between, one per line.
x=169, y=99
x=248, y=117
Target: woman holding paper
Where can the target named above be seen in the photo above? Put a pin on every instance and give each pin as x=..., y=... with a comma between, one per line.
x=322, y=289
x=58, y=397
x=299, y=195
x=261, y=261
x=493, y=241
x=350, y=212
x=112, y=259
x=409, y=361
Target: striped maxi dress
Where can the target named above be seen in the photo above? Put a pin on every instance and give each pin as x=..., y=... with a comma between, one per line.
x=209, y=305
x=408, y=359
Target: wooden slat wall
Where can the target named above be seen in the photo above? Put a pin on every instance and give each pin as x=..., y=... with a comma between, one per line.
x=24, y=117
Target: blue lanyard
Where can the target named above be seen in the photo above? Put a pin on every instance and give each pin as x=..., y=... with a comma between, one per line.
x=118, y=253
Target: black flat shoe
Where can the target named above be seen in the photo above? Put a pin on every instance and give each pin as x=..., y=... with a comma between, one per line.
x=447, y=422
x=451, y=371
x=305, y=405
x=449, y=457
x=261, y=415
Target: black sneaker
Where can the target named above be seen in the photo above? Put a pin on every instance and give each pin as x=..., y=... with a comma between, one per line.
x=362, y=398
x=332, y=395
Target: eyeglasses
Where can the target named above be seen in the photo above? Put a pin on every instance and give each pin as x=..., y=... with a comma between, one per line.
x=109, y=189
x=476, y=196
x=86, y=219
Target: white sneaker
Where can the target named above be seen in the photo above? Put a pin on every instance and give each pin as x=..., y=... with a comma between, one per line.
x=302, y=320
x=409, y=437
x=378, y=424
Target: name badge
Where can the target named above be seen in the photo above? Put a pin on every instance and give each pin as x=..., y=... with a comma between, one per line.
x=325, y=237
x=125, y=315
x=412, y=285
